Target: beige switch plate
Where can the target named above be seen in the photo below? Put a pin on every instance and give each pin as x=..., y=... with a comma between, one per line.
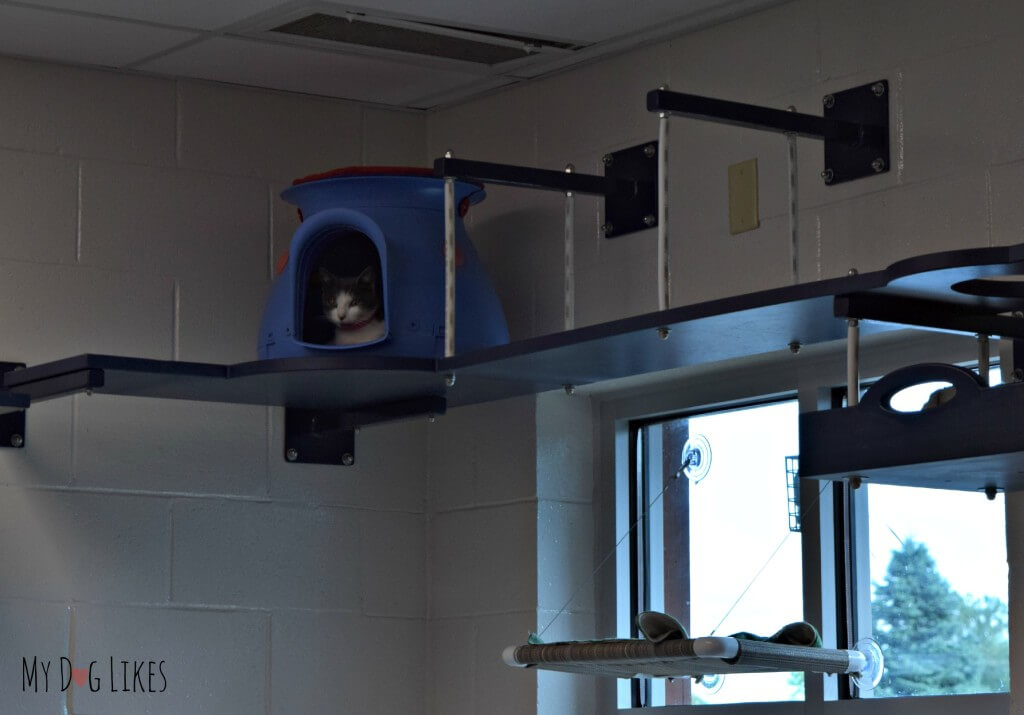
x=743, y=197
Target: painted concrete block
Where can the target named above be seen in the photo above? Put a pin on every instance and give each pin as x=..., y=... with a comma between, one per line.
x=219, y=320
x=76, y=112
x=90, y=547
x=59, y=311
x=452, y=666
x=500, y=127
x=336, y=662
x=860, y=36
x=40, y=207
x=483, y=454
x=565, y=447
x=173, y=223
x=170, y=445
x=283, y=134
x=565, y=536
x=873, y=231
x=394, y=138
x=244, y=553
x=724, y=62
x=202, y=661
x=37, y=633
x=393, y=555
x=484, y=560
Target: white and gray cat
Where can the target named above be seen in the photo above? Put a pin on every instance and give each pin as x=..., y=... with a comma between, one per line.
x=353, y=306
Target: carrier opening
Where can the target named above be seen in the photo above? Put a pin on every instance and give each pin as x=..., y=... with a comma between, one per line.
x=344, y=302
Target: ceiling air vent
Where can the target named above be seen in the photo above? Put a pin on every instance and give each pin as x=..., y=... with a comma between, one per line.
x=421, y=38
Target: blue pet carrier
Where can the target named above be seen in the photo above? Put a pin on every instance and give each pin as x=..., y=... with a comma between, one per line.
x=390, y=219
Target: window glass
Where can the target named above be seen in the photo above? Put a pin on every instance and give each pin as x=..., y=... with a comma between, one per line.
x=938, y=587
x=720, y=552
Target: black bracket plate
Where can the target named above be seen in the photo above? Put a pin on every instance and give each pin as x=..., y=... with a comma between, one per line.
x=868, y=106
x=638, y=210
x=12, y=412
x=328, y=436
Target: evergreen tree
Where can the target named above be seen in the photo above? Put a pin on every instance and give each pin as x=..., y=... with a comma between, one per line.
x=934, y=641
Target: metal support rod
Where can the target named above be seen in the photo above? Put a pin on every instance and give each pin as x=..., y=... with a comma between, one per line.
x=752, y=116
x=449, y=265
x=664, y=277
x=853, y=363
x=794, y=208
x=532, y=178
x=570, y=271
x=984, y=361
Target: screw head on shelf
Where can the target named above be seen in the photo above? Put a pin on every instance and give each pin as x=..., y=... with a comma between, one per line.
x=878, y=89
x=650, y=151
x=17, y=440
x=829, y=101
x=878, y=165
x=663, y=332
x=828, y=175
x=347, y=459
x=852, y=272
x=449, y=380
x=607, y=227
x=794, y=347
x=649, y=220
x=569, y=168
x=607, y=159
x=291, y=454
x=569, y=389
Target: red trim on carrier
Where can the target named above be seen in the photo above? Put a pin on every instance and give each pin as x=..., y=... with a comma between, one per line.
x=355, y=171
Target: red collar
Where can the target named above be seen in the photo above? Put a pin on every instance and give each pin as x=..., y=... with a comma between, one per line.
x=355, y=326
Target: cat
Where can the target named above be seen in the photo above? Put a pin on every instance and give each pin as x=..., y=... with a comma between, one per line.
x=353, y=306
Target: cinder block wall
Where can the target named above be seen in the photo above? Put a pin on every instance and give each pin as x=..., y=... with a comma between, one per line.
x=139, y=216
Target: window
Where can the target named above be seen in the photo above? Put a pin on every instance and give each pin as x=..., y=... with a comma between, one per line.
x=717, y=550
x=938, y=595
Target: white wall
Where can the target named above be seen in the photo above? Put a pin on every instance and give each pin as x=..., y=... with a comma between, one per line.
x=139, y=217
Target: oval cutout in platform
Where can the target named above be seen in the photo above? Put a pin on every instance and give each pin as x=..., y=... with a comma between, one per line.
x=921, y=397
x=1007, y=286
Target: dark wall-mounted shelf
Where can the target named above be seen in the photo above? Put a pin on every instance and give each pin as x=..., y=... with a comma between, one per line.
x=972, y=442
x=912, y=292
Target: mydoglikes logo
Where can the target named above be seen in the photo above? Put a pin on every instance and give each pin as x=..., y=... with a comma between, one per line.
x=39, y=675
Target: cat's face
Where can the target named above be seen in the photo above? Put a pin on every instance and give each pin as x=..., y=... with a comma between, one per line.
x=350, y=301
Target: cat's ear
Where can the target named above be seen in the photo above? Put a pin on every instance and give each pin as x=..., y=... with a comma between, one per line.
x=368, y=277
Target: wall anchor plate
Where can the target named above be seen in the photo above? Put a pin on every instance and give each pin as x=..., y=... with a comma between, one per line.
x=635, y=210
x=867, y=105
x=12, y=412
x=327, y=436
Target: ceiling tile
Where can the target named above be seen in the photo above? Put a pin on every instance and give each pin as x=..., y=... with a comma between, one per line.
x=261, y=64
x=80, y=39
x=195, y=14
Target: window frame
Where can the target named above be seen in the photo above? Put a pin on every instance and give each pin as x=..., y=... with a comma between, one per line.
x=737, y=383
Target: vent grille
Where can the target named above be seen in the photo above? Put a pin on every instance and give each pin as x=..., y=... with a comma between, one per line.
x=420, y=38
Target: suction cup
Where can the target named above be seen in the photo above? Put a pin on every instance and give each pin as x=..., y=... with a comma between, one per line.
x=871, y=675
x=698, y=451
x=711, y=682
